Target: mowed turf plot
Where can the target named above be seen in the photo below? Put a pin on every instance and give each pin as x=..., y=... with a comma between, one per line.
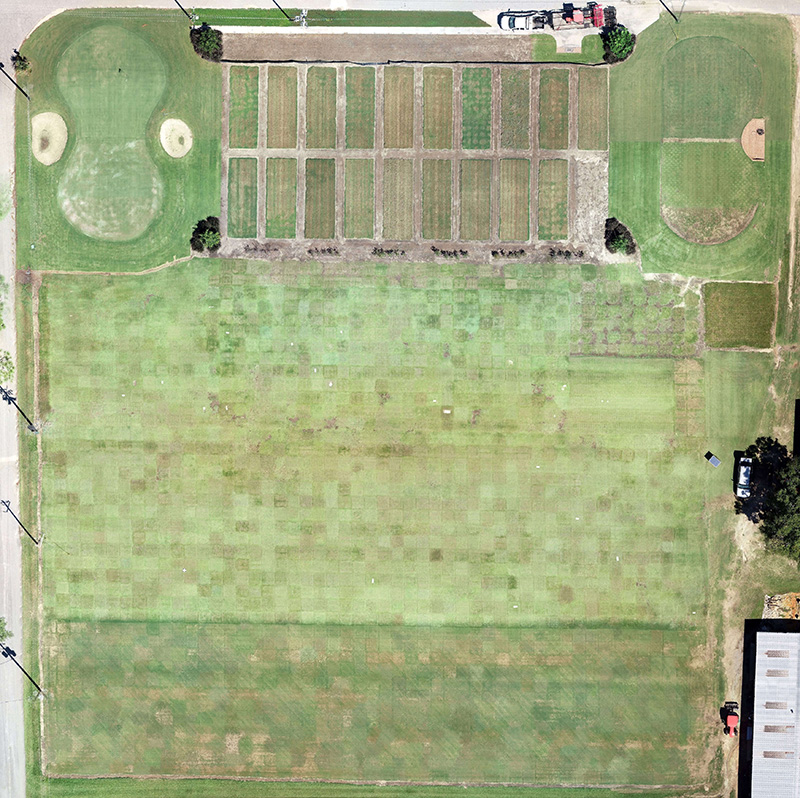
x=281, y=197
x=320, y=198
x=739, y=314
x=398, y=199
x=515, y=109
x=242, y=197
x=554, y=109
x=553, y=200
x=437, y=108
x=282, y=107
x=321, y=107
x=476, y=200
x=476, y=108
x=694, y=89
x=243, y=115
x=369, y=584
x=436, y=198
x=398, y=107
x=360, y=108
x=359, y=198
x=592, y=108
x=515, y=190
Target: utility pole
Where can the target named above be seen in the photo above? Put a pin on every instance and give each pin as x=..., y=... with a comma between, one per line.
x=8, y=397
x=669, y=10
x=184, y=10
x=2, y=65
x=7, y=505
x=9, y=654
x=282, y=11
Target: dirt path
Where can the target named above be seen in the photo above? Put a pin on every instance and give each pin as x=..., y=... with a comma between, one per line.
x=794, y=193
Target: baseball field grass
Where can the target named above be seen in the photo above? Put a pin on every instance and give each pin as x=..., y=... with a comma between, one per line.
x=476, y=196
x=360, y=98
x=321, y=107
x=281, y=204
x=437, y=105
x=243, y=130
x=320, y=198
x=543, y=48
x=592, y=108
x=647, y=108
x=398, y=107
x=515, y=97
x=436, y=199
x=282, y=107
x=242, y=197
x=515, y=191
x=359, y=198
x=476, y=108
x=553, y=195
x=739, y=314
x=398, y=199
x=554, y=109
x=146, y=217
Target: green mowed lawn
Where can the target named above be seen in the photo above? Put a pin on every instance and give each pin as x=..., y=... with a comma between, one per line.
x=639, y=121
x=476, y=108
x=282, y=106
x=553, y=200
x=554, y=109
x=114, y=79
x=398, y=107
x=593, y=108
x=243, y=117
x=739, y=314
x=398, y=199
x=281, y=202
x=360, y=107
x=359, y=198
x=279, y=434
x=437, y=108
x=320, y=198
x=321, y=107
x=476, y=200
x=437, y=195
x=515, y=195
x=515, y=108
x=242, y=197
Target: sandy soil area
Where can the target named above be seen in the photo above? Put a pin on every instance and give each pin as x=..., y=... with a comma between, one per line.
x=176, y=137
x=48, y=137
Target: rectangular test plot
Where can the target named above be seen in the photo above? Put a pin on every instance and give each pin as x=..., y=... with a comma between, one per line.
x=553, y=199
x=515, y=108
x=242, y=197
x=281, y=197
x=360, y=113
x=592, y=108
x=515, y=191
x=398, y=199
x=476, y=200
x=437, y=114
x=243, y=121
x=476, y=108
x=321, y=108
x=359, y=198
x=436, y=199
x=554, y=109
x=398, y=107
x=282, y=107
x=320, y=198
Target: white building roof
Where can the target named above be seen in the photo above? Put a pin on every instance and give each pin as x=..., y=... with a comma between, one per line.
x=776, y=716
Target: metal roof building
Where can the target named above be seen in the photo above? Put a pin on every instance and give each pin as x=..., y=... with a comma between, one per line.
x=770, y=745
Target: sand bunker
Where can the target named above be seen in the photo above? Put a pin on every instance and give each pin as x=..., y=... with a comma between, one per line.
x=48, y=137
x=754, y=139
x=176, y=137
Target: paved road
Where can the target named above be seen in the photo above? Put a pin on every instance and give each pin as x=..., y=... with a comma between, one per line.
x=19, y=18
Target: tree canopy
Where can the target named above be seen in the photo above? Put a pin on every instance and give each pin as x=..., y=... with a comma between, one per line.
x=770, y=457
x=206, y=235
x=207, y=42
x=618, y=43
x=4, y=633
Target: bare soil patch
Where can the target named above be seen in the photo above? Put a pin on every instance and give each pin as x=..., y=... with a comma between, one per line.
x=707, y=225
x=176, y=137
x=48, y=137
x=754, y=139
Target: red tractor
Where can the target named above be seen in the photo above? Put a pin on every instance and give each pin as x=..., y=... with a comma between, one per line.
x=730, y=717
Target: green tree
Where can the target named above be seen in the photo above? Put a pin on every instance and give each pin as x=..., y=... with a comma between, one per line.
x=21, y=64
x=770, y=457
x=210, y=239
x=206, y=235
x=6, y=366
x=618, y=42
x=4, y=633
x=781, y=516
x=207, y=42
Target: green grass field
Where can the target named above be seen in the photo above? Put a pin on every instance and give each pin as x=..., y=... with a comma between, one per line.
x=515, y=192
x=398, y=107
x=476, y=108
x=135, y=202
x=282, y=107
x=515, y=98
x=544, y=49
x=592, y=109
x=642, y=91
x=350, y=18
x=320, y=198
x=359, y=198
x=437, y=108
x=553, y=196
x=476, y=200
x=281, y=201
x=243, y=119
x=398, y=199
x=360, y=99
x=436, y=199
x=739, y=314
x=242, y=197
x=321, y=107
x=554, y=109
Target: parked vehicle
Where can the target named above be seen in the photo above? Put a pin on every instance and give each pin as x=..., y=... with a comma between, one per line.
x=743, y=474
x=592, y=15
x=523, y=20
